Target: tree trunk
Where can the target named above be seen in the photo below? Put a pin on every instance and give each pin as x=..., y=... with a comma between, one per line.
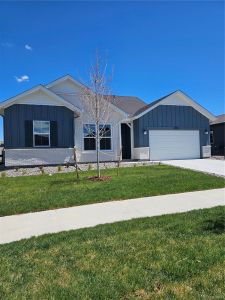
x=97, y=149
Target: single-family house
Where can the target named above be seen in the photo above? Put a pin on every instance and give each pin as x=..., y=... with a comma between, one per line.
x=43, y=125
x=217, y=135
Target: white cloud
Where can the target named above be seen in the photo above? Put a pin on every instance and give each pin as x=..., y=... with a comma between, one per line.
x=28, y=47
x=22, y=78
x=7, y=45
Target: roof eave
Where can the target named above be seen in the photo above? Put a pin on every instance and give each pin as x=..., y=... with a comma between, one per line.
x=63, y=78
x=191, y=102
x=14, y=99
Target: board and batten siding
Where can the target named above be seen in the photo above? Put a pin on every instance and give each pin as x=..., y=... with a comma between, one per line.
x=170, y=117
x=16, y=116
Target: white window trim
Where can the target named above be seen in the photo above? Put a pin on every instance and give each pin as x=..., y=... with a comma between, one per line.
x=83, y=137
x=49, y=134
x=93, y=151
x=108, y=137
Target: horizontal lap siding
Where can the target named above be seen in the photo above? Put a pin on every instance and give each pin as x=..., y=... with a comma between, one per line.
x=170, y=117
x=17, y=114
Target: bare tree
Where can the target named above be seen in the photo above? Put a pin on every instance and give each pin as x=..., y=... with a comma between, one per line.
x=97, y=100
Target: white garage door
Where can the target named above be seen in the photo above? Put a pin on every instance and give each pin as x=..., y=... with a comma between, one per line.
x=174, y=144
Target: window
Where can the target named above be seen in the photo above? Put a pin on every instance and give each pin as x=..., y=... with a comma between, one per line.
x=89, y=132
x=211, y=138
x=105, y=134
x=41, y=133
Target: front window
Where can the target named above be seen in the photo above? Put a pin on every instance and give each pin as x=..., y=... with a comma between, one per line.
x=89, y=132
x=105, y=132
x=105, y=137
x=41, y=133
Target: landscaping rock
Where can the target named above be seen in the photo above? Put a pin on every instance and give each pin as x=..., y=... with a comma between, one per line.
x=42, y=170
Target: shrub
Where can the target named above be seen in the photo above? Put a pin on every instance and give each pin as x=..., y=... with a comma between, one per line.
x=59, y=168
x=90, y=167
x=3, y=174
x=24, y=172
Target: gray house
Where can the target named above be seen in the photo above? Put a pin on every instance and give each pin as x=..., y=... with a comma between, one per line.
x=217, y=136
x=45, y=123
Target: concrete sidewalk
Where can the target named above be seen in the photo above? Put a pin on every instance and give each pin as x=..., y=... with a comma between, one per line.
x=17, y=227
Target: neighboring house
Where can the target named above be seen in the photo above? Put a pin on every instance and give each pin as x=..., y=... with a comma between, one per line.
x=1, y=149
x=217, y=135
x=43, y=124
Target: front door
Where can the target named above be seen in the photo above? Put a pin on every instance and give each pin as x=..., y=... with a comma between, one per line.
x=126, y=141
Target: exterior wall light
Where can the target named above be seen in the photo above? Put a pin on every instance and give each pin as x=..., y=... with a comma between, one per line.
x=145, y=131
x=206, y=131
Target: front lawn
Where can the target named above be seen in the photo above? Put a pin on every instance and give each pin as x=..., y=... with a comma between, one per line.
x=168, y=257
x=35, y=193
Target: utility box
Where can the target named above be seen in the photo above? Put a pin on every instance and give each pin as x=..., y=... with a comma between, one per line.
x=206, y=151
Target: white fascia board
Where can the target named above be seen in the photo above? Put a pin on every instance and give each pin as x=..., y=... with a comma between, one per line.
x=197, y=106
x=64, y=78
x=13, y=100
x=187, y=99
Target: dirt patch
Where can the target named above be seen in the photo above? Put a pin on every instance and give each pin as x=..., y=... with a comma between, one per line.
x=102, y=178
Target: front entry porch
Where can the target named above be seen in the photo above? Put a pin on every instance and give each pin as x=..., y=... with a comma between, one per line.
x=126, y=141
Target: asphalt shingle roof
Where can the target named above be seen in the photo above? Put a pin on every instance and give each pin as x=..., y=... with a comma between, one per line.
x=128, y=104
x=219, y=119
x=142, y=109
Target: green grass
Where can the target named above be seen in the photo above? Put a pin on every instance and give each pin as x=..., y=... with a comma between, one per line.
x=35, y=193
x=168, y=257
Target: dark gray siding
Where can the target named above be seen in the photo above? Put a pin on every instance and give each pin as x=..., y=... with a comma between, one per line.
x=218, y=146
x=170, y=117
x=17, y=114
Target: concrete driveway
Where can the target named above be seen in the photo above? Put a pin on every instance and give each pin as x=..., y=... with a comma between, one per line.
x=211, y=166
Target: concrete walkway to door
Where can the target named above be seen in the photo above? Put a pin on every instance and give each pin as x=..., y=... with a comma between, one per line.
x=210, y=166
x=17, y=227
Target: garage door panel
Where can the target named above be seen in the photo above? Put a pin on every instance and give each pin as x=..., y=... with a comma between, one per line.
x=174, y=144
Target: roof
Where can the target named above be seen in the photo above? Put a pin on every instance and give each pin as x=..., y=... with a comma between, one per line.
x=39, y=87
x=219, y=119
x=128, y=104
x=162, y=101
x=63, y=78
x=131, y=106
x=142, y=109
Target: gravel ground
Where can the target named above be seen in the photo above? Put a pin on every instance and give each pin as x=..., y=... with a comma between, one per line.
x=32, y=171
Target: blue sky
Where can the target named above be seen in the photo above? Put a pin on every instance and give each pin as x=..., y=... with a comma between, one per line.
x=155, y=47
